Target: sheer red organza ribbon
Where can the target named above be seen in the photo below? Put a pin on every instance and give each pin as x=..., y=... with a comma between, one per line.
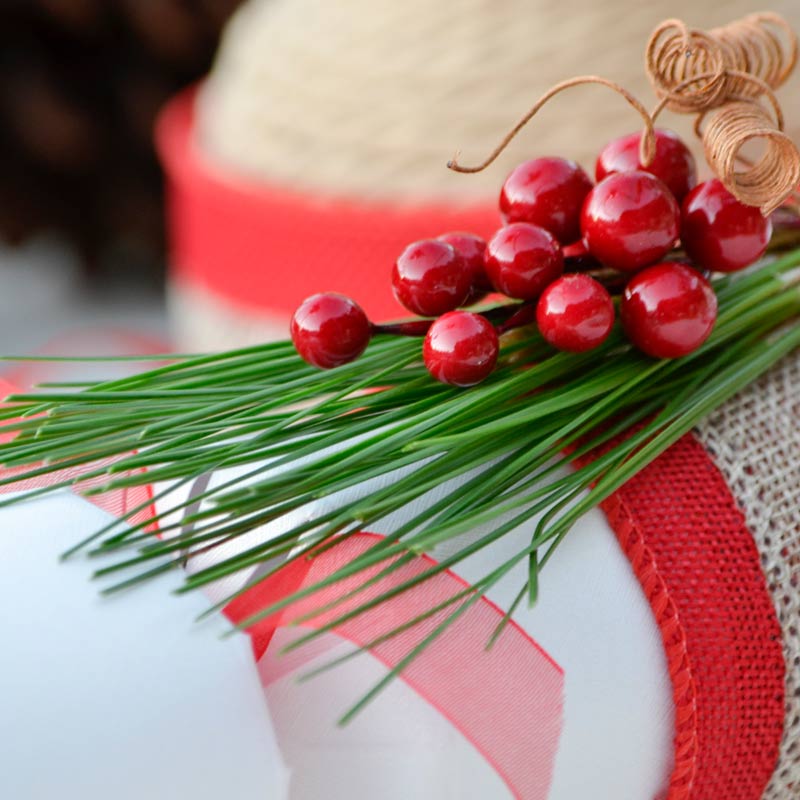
x=677, y=521
x=117, y=503
x=507, y=701
x=687, y=540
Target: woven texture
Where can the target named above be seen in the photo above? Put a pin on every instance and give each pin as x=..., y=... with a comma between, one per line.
x=248, y=246
x=696, y=560
x=755, y=441
x=371, y=97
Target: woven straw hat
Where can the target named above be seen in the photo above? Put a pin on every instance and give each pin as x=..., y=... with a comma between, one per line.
x=366, y=100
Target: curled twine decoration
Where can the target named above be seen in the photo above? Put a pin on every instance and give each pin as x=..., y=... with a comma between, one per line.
x=724, y=76
x=694, y=71
x=647, y=148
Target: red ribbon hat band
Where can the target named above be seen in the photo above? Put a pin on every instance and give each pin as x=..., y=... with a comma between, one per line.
x=266, y=247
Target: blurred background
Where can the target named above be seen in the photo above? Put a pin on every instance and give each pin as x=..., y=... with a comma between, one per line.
x=82, y=238
x=319, y=138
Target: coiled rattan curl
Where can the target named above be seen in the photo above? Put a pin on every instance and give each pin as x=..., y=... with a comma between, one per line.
x=694, y=71
x=727, y=77
x=769, y=181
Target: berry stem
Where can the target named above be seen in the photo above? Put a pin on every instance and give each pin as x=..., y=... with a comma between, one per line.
x=578, y=259
x=648, y=146
x=785, y=229
x=524, y=315
x=504, y=318
x=417, y=327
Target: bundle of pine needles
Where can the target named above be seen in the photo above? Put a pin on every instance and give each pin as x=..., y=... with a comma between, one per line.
x=295, y=434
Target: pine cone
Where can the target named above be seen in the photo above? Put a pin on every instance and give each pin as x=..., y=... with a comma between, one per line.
x=80, y=85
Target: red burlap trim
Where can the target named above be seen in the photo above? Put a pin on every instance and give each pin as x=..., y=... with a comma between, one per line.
x=699, y=567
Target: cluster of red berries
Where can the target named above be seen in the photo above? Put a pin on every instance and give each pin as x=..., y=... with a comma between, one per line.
x=628, y=221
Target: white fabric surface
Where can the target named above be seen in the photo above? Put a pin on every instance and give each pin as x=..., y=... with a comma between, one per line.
x=400, y=747
x=593, y=618
x=122, y=698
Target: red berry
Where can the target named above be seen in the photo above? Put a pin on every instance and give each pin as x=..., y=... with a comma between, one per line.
x=668, y=310
x=460, y=348
x=673, y=163
x=547, y=192
x=329, y=330
x=720, y=233
x=575, y=313
x=429, y=278
x=630, y=220
x=522, y=259
x=471, y=247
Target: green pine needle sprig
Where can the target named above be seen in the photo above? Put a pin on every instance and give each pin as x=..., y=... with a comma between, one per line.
x=376, y=435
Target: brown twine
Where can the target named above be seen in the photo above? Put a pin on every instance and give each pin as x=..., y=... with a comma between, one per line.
x=648, y=143
x=774, y=177
x=724, y=76
x=694, y=70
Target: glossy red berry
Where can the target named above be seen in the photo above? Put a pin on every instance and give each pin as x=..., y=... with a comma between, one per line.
x=720, y=233
x=522, y=259
x=674, y=163
x=329, y=330
x=429, y=278
x=471, y=248
x=460, y=348
x=575, y=313
x=630, y=220
x=668, y=310
x=547, y=192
